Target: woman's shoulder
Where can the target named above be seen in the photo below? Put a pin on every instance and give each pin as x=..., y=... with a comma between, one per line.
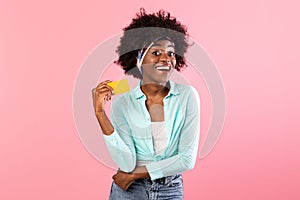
x=187, y=92
x=185, y=88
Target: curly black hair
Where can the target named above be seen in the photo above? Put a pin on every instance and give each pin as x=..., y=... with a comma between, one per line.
x=143, y=30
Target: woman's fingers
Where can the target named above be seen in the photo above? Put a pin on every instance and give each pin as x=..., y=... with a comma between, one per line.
x=104, y=92
x=101, y=94
x=105, y=87
x=104, y=83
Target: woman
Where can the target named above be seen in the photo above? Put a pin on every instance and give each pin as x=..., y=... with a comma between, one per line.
x=153, y=132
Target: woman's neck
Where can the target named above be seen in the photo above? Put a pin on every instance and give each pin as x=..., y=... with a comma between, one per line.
x=152, y=89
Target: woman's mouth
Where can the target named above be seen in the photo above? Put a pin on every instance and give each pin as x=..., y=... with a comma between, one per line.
x=163, y=68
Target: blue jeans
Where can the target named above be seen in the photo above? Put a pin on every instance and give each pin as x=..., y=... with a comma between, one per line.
x=170, y=187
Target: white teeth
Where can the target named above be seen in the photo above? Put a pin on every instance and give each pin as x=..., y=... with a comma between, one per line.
x=163, y=68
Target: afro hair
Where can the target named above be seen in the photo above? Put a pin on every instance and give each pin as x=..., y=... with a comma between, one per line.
x=146, y=28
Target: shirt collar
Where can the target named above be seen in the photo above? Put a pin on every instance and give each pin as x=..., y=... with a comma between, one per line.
x=138, y=93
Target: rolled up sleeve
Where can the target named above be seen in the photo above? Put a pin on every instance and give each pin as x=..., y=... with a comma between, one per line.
x=120, y=143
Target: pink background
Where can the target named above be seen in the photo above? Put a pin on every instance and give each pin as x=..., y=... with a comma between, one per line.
x=254, y=44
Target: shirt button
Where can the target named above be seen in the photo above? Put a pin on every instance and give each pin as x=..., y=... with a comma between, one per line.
x=158, y=158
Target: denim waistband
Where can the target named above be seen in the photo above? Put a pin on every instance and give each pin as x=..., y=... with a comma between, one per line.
x=164, y=180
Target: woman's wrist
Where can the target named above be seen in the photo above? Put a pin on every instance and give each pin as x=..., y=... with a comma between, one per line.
x=104, y=122
x=140, y=172
x=135, y=176
x=99, y=111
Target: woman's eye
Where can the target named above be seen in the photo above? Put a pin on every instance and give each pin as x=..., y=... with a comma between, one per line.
x=157, y=53
x=172, y=53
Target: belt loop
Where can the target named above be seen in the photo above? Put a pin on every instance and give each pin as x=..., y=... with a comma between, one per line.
x=168, y=180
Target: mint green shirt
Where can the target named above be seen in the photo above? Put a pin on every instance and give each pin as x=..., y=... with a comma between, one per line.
x=132, y=137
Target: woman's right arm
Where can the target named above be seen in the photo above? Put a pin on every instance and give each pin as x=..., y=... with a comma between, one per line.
x=117, y=133
x=101, y=94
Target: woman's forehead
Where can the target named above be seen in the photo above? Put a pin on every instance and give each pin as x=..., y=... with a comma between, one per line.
x=163, y=44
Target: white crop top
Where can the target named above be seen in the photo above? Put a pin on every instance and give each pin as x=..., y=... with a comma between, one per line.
x=159, y=137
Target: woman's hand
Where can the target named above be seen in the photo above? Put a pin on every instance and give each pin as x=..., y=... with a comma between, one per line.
x=101, y=94
x=123, y=179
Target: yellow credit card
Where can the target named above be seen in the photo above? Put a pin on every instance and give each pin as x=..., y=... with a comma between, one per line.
x=120, y=86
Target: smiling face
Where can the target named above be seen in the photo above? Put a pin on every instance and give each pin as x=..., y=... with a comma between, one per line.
x=159, y=62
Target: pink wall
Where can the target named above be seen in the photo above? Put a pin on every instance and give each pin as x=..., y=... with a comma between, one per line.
x=254, y=44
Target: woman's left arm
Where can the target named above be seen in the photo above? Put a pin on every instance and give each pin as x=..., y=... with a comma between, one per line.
x=187, y=149
x=187, y=146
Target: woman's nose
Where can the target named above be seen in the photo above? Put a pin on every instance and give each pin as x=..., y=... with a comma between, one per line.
x=164, y=57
